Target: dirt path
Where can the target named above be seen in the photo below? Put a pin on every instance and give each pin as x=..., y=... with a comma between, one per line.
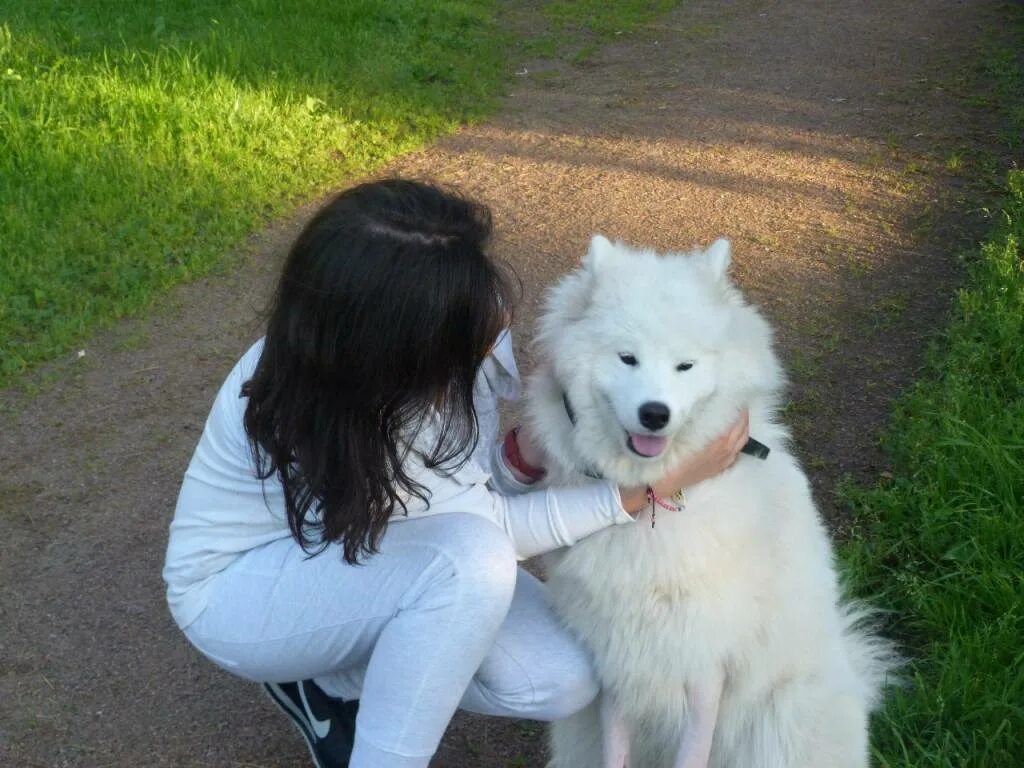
x=796, y=128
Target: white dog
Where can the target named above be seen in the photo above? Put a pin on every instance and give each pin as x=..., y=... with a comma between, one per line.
x=719, y=633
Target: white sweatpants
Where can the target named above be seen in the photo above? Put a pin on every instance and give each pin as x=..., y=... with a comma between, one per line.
x=440, y=618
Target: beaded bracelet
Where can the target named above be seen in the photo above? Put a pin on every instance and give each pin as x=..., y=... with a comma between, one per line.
x=678, y=503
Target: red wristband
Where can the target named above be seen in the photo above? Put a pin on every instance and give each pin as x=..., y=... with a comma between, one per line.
x=515, y=458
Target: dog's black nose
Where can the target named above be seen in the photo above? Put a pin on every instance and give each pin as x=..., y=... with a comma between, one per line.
x=654, y=415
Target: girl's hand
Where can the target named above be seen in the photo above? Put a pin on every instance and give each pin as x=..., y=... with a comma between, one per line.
x=717, y=456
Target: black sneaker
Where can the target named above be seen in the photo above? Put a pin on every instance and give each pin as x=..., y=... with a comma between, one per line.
x=328, y=725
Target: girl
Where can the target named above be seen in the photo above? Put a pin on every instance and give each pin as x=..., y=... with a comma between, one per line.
x=348, y=527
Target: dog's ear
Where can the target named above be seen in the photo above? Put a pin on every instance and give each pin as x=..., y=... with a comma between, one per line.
x=598, y=253
x=718, y=257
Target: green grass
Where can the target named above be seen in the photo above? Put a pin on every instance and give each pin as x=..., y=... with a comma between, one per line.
x=577, y=28
x=941, y=542
x=140, y=142
x=605, y=19
x=1001, y=65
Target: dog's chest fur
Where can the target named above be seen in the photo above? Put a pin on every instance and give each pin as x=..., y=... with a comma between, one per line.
x=704, y=587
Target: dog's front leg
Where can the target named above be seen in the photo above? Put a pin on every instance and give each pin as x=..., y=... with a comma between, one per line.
x=614, y=736
x=702, y=700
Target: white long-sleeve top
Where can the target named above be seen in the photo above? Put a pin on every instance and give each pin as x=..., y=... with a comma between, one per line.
x=224, y=510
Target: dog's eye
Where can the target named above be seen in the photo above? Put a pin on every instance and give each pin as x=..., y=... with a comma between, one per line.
x=627, y=359
x=684, y=366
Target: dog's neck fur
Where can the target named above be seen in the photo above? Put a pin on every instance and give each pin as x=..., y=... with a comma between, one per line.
x=564, y=438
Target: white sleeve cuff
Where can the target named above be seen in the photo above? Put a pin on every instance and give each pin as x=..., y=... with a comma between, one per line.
x=619, y=515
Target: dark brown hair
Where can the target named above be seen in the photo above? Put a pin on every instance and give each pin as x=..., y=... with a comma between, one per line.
x=385, y=309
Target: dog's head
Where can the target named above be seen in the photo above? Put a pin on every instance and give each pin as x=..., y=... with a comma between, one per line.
x=655, y=353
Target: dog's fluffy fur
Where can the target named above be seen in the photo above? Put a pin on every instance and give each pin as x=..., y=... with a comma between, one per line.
x=742, y=581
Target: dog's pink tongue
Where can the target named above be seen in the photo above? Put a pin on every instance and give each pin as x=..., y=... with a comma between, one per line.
x=648, y=445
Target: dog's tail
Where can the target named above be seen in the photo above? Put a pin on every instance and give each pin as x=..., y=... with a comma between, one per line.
x=874, y=660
